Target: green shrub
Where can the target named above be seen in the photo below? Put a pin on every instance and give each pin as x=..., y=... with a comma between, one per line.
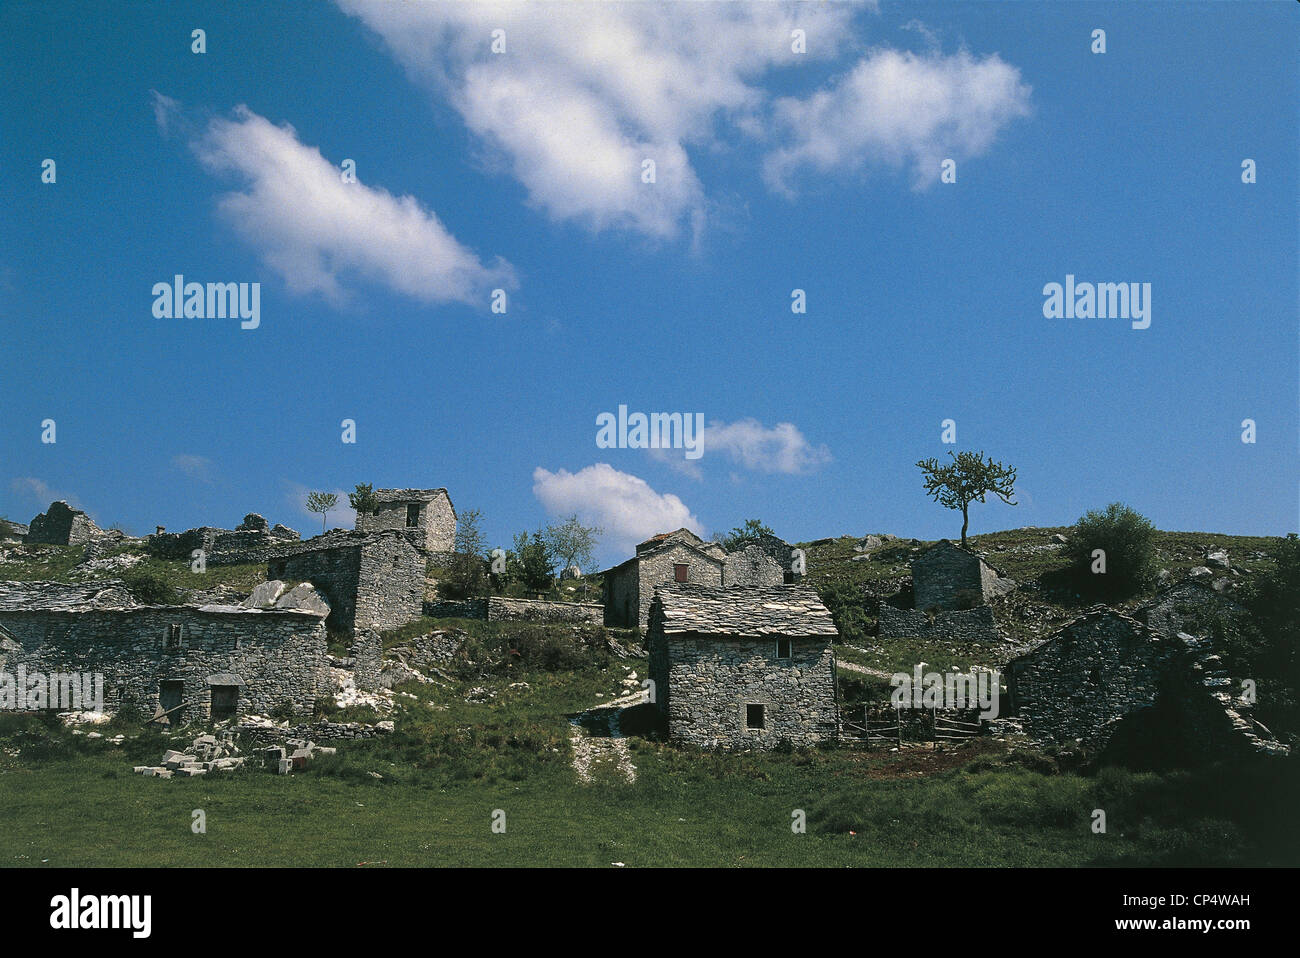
x=1126, y=537
x=152, y=589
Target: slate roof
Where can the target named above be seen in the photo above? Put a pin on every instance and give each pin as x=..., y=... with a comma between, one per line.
x=103, y=596
x=408, y=495
x=712, y=610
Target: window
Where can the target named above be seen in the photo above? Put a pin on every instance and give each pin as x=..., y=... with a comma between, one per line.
x=412, y=516
x=783, y=648
x=753, y=715
x=173, y=638
x=680, y=572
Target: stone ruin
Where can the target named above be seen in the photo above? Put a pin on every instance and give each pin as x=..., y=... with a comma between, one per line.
x=62, y=525
x=253, y=540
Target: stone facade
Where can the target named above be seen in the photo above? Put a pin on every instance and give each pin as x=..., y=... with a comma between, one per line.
x=743, y=668
x=947, y=576
x=1087, y=676
x=752, y=568
x=629, y=588
x=1109, y=680
x=959, y=625
x=428, y=510
x=371, y=581
x=209, y=658
x=62, y=525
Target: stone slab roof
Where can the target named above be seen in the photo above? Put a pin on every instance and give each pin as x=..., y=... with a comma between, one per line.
x=409, y=495
x=338, y=539
x=110, y=596
x=711, y=610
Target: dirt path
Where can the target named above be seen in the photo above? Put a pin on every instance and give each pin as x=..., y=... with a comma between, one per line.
x=596, y=738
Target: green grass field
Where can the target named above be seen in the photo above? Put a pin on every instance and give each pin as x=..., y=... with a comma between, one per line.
x=71, y=801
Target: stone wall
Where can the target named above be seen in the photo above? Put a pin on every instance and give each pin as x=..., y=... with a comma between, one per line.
x=367, y=659
x=370, y=581
x=436, y=519
x=12, y=531
x=1186, y=607
x=278, y=655
x=457, y=609
x=1090, y=675
x=704, y=683
x=502, y=609
x=253, y=541
x=499, y=608
x=975, y=625
x=753, y=568
x=62, y=525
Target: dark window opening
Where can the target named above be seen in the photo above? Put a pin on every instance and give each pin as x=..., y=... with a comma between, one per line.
x=680, y=572
x=412, y=516
x=784, y=648
x=788, y=578
x=225, y=701
x=753, y=716
x=173, y=638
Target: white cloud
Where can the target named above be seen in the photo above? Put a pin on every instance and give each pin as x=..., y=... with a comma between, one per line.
x=341, y=516
x=623, y=505
x=781, y=448
x=318, y=232
x=585, y=92
x=900, y=109
x=43, y=494
x=196, y=467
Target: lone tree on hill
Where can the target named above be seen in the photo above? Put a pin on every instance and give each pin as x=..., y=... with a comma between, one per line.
x=321, y=502
x=968, y=478
x=363, y=498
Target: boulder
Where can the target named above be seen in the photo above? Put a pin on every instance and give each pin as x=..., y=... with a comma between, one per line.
x=265, y=595
x=1218, y=559
x=304, y=596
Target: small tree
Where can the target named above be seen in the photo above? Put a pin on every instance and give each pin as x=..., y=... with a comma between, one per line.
x=751, y=531
x=531, y=562
x=321, y=502
x=1126, y=541
x=467, y=574
x=571, y=542
x=363, y=498
x=968, y=478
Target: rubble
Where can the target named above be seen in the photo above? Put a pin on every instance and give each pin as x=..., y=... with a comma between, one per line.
x=207, y=753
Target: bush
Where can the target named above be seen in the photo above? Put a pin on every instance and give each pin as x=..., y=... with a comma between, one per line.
x=847, y=604
x=1126, y=537
x=152, y=589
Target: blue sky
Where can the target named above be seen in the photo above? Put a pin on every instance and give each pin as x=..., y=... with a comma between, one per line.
x=775, y=171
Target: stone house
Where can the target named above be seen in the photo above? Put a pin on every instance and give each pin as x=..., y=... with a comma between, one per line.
x=217, y=661
x=679, y=556
x=946, y=576
x=1107, y=679
x=371, y=580
x=753, y=568
x=743, y=668
x=428, y=510
x=62, y=525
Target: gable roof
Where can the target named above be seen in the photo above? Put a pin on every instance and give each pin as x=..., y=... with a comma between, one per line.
x=794, y=611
